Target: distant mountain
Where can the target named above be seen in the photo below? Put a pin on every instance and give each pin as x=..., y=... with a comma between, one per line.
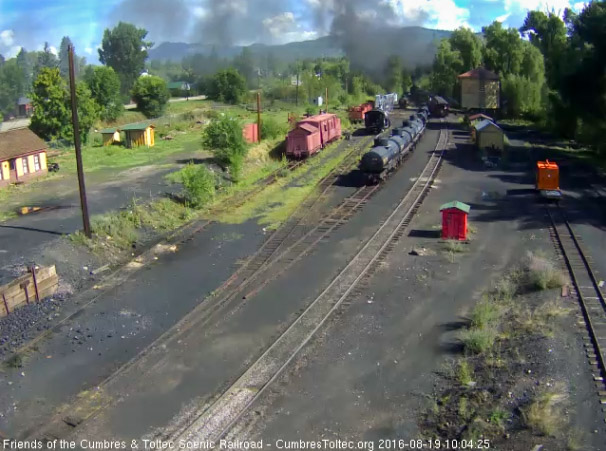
x=416, y=46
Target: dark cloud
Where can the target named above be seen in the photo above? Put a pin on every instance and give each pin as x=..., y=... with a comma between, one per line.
x=228, y=22
x=165, y=20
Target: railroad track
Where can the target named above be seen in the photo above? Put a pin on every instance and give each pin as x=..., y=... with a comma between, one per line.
x=588, y=292
x=277, y=244
x=214, y=422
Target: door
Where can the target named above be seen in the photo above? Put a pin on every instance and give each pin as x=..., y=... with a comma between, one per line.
x=12, y=170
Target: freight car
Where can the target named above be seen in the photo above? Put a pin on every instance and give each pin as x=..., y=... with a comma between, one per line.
x=312, y=134
x=357, y=113
x=439, y=107
x=388, y=153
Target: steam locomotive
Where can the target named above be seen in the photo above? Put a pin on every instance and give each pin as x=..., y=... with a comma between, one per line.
x=377, y=119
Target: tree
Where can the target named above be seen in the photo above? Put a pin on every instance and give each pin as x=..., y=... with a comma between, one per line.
x=2, y=60
x=227, y=86
x=52, y=107
x=88, y=113
x=393, y=71
x=64, y=56
x=45, y=58
x=125, y=50
x=503, y=52
x=151, y=95
x=51, y=117
x=24, y=64
x=447, y=65
x=12, y=85
x=223, y=136
x=469, y=46
x=104, y=85
x=245, y=64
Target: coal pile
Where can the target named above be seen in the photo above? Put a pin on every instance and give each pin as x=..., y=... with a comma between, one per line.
x=26, y=322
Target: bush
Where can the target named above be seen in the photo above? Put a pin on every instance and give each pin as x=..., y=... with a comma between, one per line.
x=151, y=95
x=541, y=273
x=478, y=341
x=199, y=185
x=271, y=128
x=543, y=415
x=224, y=138
x=485, y=314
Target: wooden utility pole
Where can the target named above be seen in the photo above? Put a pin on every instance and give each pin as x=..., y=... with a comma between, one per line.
x=72, y=88
x=259, y=115
x=326, y=100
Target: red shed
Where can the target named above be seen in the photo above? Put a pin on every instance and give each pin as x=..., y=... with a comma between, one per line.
x=251, y=133
x=454, y=220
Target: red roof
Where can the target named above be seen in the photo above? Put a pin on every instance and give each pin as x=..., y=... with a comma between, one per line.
x=480, y=72
x=307, y=127
x=318, y=118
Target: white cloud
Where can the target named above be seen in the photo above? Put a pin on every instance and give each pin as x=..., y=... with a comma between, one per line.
x=199, y=12
x=89, y=50
x=440, y=14
x=503, y=18
x=7, y=38
x=284, y=28
x=53, y=50
x=580, y=6
x=521, y=7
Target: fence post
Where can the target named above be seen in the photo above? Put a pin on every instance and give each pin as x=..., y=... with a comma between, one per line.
x=5, y=304
x=33, y=270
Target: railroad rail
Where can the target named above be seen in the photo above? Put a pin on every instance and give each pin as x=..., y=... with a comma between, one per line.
x=587, y=290
x=224, y=296
x=216, y=421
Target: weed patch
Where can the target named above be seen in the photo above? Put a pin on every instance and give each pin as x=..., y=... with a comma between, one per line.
x=543, y=415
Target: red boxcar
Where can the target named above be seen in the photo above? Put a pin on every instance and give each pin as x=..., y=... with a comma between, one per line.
x=357, y=113
x=312, y=134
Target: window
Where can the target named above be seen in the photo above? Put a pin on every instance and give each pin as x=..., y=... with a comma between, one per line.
x=24, y=164
x=36, y=163
x=1, y=172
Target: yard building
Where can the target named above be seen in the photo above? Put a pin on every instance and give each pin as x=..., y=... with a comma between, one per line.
x=22, y=156
x=179, y=88
x=110, y=136
x=139, y=135
x=488, y=135
x=454, y=220
x=24, y=107
x=480, y=89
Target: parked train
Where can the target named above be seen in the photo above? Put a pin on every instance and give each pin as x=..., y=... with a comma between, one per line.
x=312, y=134
x=388, y=153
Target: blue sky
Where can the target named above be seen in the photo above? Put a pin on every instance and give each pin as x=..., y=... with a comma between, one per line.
x=29, y=23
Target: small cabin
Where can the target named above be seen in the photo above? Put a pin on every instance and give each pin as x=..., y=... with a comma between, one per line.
x=110, y=136
x=22, y=156
x=179, y=88
x=139, y=135
x=24, y=106
x=454, y=220
x=488, y=135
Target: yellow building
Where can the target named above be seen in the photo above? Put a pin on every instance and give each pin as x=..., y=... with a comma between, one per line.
x=110, y=136
x=22, y=156
x=489, y=135
x=139, y=135
x=480, y=89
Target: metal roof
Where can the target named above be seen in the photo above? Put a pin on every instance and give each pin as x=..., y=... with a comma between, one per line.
x=456, y=204
x=484, y=124
x=308, y=127
x=139, y=126
x=23, y=141
x=480, y=72
x=440, y=100
x=473, y=117
x=109, y=130
x=24, y=101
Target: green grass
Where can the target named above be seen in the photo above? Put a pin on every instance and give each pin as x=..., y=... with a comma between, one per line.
x=541, y=273
x=543, y=415
x=478, y=341
x=97, y=158
x=464, y=373
x=485, y=314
